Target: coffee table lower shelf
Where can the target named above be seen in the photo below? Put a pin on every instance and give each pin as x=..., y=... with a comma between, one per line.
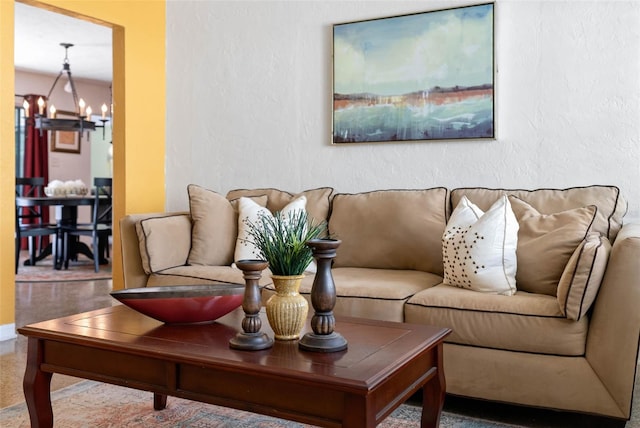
x=384, y=365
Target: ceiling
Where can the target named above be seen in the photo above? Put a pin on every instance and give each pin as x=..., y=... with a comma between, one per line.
x=38, y=34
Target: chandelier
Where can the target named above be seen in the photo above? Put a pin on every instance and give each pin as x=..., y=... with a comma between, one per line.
x=76, y=121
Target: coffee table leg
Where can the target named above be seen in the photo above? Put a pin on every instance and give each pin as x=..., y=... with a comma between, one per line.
x=159, y=401
x=37, y=387
x=433, y=394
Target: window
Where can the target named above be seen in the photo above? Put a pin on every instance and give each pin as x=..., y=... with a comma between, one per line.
x=20, y=138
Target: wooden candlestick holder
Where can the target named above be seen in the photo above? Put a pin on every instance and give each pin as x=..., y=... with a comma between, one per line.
x=323, y=299
x=251, y=338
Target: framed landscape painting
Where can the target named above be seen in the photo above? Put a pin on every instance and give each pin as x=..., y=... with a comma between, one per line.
x=65, y=141
x=424, y=76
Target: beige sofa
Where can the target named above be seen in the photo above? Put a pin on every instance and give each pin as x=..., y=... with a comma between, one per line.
x=572, y=346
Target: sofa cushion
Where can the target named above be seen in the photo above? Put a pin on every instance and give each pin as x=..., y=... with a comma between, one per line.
x=164, y=241
x=215, y=227
x=525, y=322
x=582, y=276
x=547, y=240
x=611, y=205
x=390, y=229
x=371, y=293
x=317, y=199
x=198, y=274
x=479, y=249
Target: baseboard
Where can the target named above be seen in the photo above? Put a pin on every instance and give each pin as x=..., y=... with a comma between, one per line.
x=7, y=332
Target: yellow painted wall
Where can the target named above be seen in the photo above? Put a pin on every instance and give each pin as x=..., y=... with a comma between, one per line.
x=7, y=162
x=139, y=118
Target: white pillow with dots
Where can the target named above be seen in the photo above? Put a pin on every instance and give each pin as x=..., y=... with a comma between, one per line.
x=479, y=249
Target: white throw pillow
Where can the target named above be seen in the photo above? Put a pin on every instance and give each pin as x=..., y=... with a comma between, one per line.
x=250, y=212
x=479, y=249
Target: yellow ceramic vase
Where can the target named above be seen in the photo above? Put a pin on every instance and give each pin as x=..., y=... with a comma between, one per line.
x=287, y=309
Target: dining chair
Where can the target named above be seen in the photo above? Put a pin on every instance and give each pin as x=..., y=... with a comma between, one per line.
x=100, y=228
x=30, y=220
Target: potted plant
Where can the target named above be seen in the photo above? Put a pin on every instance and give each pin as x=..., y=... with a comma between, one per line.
x=281, y=240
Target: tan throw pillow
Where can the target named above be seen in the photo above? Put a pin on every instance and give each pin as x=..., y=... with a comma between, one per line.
x=213, y=236
x=164, y=242
x=479, y=248
x=582, y=276
x=546, y=242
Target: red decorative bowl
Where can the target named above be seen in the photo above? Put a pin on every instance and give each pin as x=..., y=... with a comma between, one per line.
x=183, y=304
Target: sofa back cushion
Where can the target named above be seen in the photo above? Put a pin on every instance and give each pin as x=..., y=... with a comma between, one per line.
x=610, y=203
x=390, y=229
x=317, y=199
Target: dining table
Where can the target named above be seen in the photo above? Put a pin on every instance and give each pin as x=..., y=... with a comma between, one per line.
x=66, y=215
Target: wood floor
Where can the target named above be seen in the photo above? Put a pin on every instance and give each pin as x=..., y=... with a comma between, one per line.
x=40, y=301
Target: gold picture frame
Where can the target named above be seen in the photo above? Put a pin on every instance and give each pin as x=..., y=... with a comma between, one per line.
x=65, y=141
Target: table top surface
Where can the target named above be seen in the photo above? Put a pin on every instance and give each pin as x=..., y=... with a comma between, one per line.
x=375, y=348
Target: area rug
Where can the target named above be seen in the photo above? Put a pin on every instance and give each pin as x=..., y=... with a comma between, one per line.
x=94, y=404
x=43, y=271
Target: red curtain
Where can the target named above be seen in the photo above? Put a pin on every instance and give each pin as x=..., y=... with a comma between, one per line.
x=36, y=152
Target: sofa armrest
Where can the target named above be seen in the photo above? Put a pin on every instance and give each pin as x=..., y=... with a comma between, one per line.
x=134, y=274
x=614, y=330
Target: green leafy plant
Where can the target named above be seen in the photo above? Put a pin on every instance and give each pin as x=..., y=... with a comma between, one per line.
x=281, y=240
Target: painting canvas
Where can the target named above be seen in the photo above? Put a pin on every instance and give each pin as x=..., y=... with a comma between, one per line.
x=424, y=76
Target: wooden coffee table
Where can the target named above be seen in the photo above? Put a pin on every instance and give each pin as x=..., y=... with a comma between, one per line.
x=385, y=364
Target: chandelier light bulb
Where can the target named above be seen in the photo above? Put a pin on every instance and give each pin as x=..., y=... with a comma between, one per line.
x=104, y=111
x=52, y=111
x=89, y=111
x=81, y=104
x=25, y=105
x=40, y=106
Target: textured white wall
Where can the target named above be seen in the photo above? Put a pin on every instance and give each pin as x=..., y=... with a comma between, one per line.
x=249, y=101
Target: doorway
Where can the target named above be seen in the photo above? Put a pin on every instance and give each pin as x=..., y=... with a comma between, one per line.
x=38, y=60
